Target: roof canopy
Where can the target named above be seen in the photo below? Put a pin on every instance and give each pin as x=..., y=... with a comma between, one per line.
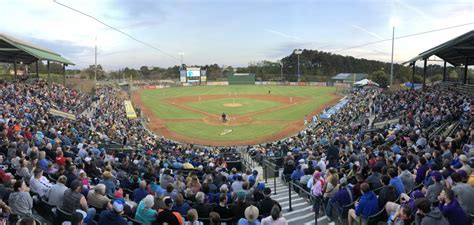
x=455, y=51
x=12, y=48
x=350, y=77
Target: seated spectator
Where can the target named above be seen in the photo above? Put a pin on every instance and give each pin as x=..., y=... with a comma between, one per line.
x=344, y=196
x=407, y=177
x=181, y=206
x=238, y=209
x=26, y=221
x=266, y=204
x=140, y=192
x=374, y=180
x=20, y=199
x=367, y=206
x=435, y=189
x=39, y=184
x=56, y=193
x=251, y=216
x=403, y=216
x=214, y=218
x=396, y=181
x=114, y=215
x=393, y=208
x=74, y=200
x=451, y=209
x=170, y=192
x=464, y=193
x=107, y=180
x=202, y=209
x=221, y=208
x=427, y=215
x=388, y=193
x=275, y=217
x=145, y=212
x=166, y=216
x=192, y=218
x=97, y=199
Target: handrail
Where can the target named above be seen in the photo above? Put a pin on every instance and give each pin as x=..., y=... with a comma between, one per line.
x=311, y=198
x=273, y=168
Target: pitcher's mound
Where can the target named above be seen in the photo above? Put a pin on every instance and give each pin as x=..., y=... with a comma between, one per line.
x=232, y=105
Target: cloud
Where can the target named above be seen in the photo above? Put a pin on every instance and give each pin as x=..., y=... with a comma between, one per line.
x=367, y=31
x=414, y=9
x=281, y=34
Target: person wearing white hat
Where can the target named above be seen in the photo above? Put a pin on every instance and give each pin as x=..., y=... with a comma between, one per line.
x=251, y=216
x=113, y=216
x=145, y=212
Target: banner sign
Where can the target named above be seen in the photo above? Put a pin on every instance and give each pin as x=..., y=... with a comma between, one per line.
x=55, y=112
x=129, y=110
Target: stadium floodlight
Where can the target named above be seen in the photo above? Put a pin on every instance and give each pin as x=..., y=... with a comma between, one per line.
x=298, y=53
x=181, y=55
x=281, y=70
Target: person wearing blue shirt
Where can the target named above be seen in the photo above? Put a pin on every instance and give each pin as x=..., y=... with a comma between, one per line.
x=396, y=181
x=367, y=206
x=141, y=192
x=297, y=174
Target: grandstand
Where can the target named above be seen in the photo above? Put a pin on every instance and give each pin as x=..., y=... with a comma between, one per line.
x=68, y=156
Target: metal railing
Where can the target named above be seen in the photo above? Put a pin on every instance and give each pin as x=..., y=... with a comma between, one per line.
x=269, y=166
x=303, y=193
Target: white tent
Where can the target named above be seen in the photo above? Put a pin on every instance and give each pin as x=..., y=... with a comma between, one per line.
x=365, y=82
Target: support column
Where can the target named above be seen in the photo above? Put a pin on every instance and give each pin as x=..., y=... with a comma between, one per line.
x=49, y=75
x=465, y=72
x=64, y=74
x=413, y=76
x=424, y=73
x=14, y=67
x=37, y=70
x=444, y=71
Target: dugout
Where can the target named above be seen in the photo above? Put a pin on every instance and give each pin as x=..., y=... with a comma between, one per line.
x=241, y=78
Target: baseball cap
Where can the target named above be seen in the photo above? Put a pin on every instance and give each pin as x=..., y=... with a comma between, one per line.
x=241, y=194
x=118, y=205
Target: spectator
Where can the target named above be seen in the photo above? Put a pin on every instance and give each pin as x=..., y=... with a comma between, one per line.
x=166, y=216
x=39, y=184
x=266, y=204
x=251, y=215
x=202, y=209
x=396, y=181
x=317, y=190
x=451, y=209
x=214, y=218
x=367, y=206
x=404, y=216
x=26, y=221
x=465, y=166
x=275, y=217
x=20, y=200
x=97, y=199
x=221, y=208
x=74, y=200
x=374, y=180
x=145, y=212
x=435, y=189
x=181, y=206
x=193, y=218
x=238, y=209
x=114, y=215
x=427, y=216
x=56, y=193
x=407, y=177
x=108, y=182
x=344, y=196
x=387, y=193
x=140, y=192
x=464, y=193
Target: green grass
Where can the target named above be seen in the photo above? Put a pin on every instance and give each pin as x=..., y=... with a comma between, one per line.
x=295, y=112
x=216, y=106
x=209, y=132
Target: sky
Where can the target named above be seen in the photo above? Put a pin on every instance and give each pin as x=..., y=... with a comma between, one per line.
x=231, y=32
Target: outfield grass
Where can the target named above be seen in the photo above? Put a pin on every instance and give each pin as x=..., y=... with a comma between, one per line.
x=216, y=106
x=209, y=132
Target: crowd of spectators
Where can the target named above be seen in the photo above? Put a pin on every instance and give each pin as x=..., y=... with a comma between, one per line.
x=399, y=169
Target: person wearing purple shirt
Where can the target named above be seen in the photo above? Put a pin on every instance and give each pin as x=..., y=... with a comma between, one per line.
x=421, y=169
x=451, y=209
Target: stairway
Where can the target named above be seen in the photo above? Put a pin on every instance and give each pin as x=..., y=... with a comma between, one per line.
x=301, y=213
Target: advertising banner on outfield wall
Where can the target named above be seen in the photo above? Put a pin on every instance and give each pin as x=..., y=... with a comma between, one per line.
x=322, y=84
x=129, y=110
x=217, y=83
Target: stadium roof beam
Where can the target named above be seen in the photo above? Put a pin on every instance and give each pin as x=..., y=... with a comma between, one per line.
x=458, y=51
x=13, y=50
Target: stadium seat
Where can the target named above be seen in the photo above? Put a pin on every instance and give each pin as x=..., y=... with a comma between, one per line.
x=61, y=216
x=374, y=219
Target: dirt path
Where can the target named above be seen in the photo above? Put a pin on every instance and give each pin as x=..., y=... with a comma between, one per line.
x=158, y=126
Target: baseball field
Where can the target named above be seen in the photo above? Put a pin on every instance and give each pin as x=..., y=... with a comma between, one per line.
x=255, y=114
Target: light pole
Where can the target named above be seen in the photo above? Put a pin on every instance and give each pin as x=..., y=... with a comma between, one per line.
x=391, y=63
x=181, y=55
x=95, y=62
x=298, y=53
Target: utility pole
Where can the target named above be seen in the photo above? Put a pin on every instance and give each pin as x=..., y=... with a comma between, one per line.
x=391, y=65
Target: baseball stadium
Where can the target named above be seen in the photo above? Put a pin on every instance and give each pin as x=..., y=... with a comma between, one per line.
x=236, y=112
